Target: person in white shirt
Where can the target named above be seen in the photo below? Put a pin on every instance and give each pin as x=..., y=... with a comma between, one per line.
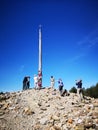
x=35, y=81
x=52, y=81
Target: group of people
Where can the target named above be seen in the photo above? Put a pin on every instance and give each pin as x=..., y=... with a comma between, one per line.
x=64, y=91
x=60, y=85
x=38, y=84
x=37, y=81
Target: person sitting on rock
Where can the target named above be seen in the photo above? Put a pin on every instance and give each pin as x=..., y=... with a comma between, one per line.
x=65, y=93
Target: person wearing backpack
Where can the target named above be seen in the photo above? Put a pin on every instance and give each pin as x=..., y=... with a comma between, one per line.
x=79, y=89
x=61, y=85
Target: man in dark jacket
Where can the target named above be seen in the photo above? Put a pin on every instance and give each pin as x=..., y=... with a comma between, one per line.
x=79, y=89
x=26, y=83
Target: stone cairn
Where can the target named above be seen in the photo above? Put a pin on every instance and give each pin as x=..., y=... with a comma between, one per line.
x=45, y=109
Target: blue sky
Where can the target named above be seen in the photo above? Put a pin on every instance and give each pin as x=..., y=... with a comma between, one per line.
x=69, y=41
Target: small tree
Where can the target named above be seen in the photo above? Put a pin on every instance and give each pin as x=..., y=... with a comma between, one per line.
x=92, y=91
x=73, y=90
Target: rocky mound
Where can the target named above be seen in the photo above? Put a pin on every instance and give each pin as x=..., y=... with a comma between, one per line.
x=45, y=109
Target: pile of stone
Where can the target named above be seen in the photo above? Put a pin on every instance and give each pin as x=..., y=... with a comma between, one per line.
x=45, y=109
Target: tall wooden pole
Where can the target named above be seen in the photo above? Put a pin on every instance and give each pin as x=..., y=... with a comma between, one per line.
x=40, y=49
x=40, y=59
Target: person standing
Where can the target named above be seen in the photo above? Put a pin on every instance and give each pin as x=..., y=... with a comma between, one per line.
x=52, y=81
x=26, y=83
x=61, y=85
x=35, y=81
x=79, y=89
